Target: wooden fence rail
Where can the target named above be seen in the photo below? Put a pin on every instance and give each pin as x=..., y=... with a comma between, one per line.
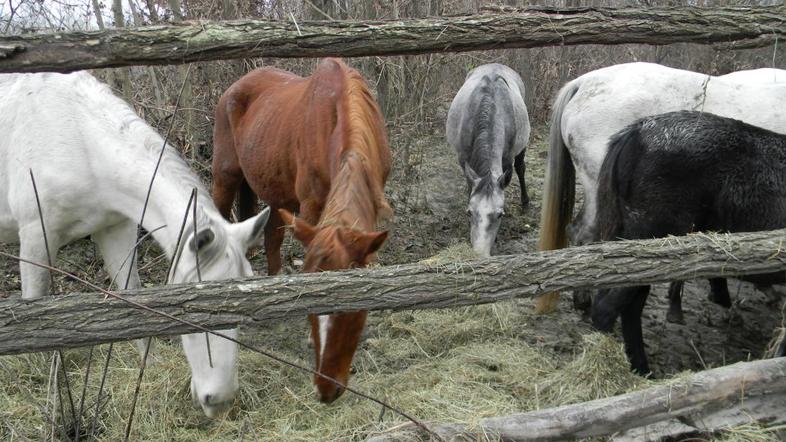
x=528, y=28
x=702, y=403
x=79, y=319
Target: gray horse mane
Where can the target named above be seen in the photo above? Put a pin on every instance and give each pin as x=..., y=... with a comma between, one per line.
x=483, y=133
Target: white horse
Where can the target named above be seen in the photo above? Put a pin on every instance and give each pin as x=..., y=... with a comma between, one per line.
x=93, y=159
x=488, y=126
x=596, y=105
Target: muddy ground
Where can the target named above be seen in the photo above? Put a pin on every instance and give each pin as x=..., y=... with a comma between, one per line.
x=427, y=192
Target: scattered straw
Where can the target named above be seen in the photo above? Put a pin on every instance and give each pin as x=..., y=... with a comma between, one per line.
x=455, y=365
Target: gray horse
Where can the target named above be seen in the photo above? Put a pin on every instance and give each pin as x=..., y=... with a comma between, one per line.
x=488, y=126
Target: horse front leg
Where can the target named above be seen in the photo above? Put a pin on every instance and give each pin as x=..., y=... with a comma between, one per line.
x=116, y=245
x=518, y=164
x=628, y=303
x=36, y=280
x=274, y=237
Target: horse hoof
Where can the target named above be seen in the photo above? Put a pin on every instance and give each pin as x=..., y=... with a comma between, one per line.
x=675, y=317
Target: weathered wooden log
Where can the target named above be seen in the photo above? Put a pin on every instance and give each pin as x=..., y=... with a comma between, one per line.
x=533, y=27
x=748, y=389
x=79, y=319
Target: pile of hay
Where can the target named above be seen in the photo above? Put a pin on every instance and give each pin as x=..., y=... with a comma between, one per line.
x=453, y=365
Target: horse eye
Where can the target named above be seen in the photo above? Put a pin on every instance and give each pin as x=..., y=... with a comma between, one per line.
x=469, y=212
x=500, y=214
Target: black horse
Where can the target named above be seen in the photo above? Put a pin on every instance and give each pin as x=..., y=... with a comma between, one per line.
x=680, y=172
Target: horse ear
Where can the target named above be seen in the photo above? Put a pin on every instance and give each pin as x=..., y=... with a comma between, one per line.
x=471, y=174
x=304, y=232
x=202, y=239
x=365, y=244
x=252, y=230
x=504, y=179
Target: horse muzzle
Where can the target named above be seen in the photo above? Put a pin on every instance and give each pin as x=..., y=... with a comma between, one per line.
x=329, y=396
x=213, y=405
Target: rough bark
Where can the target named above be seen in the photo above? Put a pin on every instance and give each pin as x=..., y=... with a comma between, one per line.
x=536, y=27
x=125, y=79
x=753, y=390
x=79, y=319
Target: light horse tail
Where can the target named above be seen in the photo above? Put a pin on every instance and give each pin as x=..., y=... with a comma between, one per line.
x=625, y=149
x=559, y=188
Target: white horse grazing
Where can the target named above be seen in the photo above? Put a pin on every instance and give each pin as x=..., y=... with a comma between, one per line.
x=488, y=126
x=596, y=105
x=93, y=159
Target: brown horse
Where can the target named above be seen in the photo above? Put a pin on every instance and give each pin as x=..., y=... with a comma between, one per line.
x=316, y=146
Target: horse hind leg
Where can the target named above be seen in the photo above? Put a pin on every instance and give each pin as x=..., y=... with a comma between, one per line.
x=631, y=329
x=247, y=200
x=226, y=184
x=520, y=167
x=116, y=244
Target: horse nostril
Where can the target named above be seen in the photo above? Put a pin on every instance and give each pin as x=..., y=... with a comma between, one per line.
x=207, y=399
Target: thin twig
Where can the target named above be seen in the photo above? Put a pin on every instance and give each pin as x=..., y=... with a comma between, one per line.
x=170, y=273
x=199, y=270
x=158, y=161
x=67, y=385
x=231, y=339
x=59, y=396
x=43, y=229
x=137, y=389
x=51, y=288
x=84, y=392
x=139, y=228
x=101, y=389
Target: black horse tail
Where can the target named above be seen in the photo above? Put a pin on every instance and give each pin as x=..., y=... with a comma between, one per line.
x=616, y=174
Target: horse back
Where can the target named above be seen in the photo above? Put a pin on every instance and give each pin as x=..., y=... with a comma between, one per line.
x=278, y=127
x=288, y=133
x=487, y=119
x=687, y=171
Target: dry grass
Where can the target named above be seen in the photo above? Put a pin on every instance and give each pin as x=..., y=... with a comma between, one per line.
x=450, y=366
x=453, y=365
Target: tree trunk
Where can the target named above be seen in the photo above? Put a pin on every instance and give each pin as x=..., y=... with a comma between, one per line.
x=79, y=319
x=537, y=27
x=192, y=136
x=125, y=81
x=743, y=392
x=99, y=17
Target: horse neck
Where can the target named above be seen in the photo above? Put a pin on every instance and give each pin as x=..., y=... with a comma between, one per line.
x=351, y=202
x=171, y=191
x=486, y=155
x=356, y=196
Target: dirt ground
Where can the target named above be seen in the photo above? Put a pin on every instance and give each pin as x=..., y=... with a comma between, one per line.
x=430, y=205
x=427, y=192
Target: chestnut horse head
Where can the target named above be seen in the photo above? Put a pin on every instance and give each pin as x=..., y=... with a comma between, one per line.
x=318, y=146
x=335, y=337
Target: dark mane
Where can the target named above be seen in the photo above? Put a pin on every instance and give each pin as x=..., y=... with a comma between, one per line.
x=483, y=131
